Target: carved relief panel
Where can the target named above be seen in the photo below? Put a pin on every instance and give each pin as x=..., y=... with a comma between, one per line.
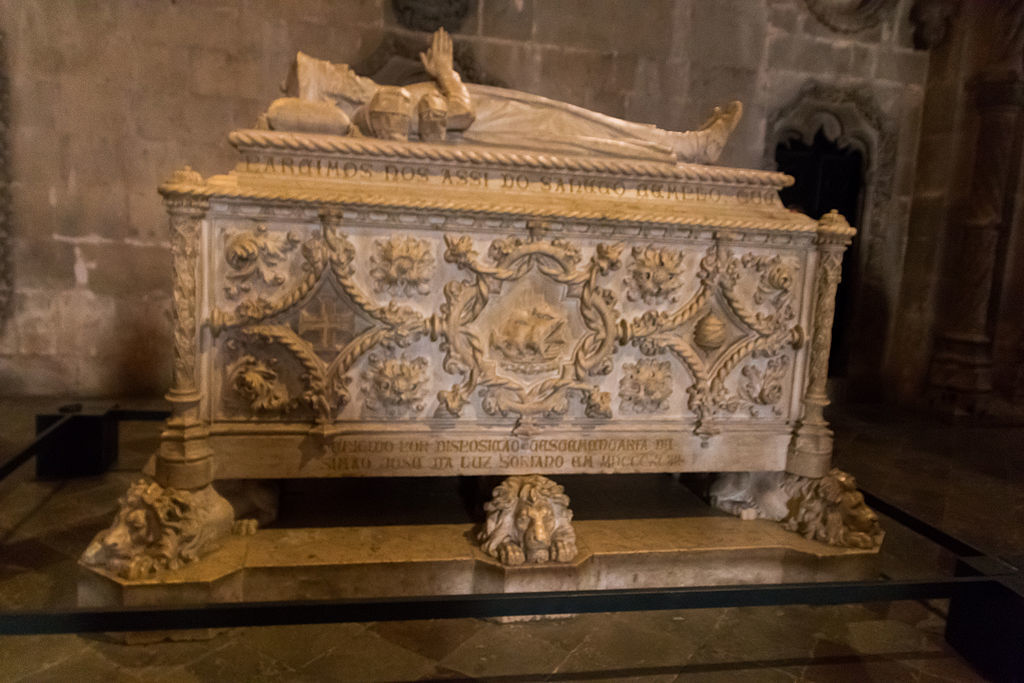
x=728, y=345
x=337, y=320
x=295, y=322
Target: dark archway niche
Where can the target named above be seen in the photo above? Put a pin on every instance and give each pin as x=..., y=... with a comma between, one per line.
x=827, y=177
x=844, y=129
x=850, y=16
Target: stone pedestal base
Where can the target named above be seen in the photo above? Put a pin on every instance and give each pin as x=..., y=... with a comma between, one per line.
x=394, y=561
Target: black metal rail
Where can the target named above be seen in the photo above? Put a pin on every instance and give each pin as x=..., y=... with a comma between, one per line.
x=44, y=440
x=460, y=606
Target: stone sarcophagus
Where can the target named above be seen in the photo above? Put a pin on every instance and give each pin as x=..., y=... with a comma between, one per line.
x=527, y=289
x=362, y=308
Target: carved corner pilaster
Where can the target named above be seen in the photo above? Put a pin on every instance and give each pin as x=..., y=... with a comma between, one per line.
x=828, y=509
x=158, y=528
x=810, y=451
x=184, y=460
x=529, y=521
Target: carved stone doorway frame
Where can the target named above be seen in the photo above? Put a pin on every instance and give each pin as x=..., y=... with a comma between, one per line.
x=851, y=118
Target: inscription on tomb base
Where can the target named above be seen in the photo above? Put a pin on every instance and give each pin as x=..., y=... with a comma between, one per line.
x=444, y=456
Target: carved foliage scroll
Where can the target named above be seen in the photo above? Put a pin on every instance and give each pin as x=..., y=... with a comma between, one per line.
x=256, y=255
x=256, y=381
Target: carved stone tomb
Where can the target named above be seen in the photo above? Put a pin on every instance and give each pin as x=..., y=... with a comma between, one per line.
x=366, y=300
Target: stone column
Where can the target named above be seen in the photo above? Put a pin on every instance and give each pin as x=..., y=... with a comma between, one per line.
x=185, y=461
x=810, y=451
x=962, y=365
x=981, y=227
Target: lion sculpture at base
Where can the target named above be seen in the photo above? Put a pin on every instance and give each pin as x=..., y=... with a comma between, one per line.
x=529, y=520
x=829, y=509
x=161, y=528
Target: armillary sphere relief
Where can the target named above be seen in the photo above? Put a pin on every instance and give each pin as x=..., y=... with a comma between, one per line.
x=720, y=327
x=523, y=331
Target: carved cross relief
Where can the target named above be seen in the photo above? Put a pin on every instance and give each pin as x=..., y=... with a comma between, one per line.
x=328, y=326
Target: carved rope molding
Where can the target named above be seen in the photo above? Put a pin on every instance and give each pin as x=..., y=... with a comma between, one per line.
x=348, y=198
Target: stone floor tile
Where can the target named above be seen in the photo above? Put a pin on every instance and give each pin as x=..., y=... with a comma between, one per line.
x=236, y=662
x=368, y=657
x=167, y=674
x=440, y=673
x=947, y=668
x=24, y=655
x=564, y=632
x=505, y=650
x=761, y=634
x=20, y=497
x=165, y=654
x=604, y=676
x=434, y=638
x=34, y=575
x=927, y=617
x=887, y=636
x=865, y=669
x=85, y=667
x=626, y=647
x=299, y=645
x=689, y=629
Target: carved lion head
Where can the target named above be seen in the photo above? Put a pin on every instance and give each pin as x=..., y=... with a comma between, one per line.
x=654, y=274
x=832, y=510
x=395, y=385
x=157, y=528
x=529, y=520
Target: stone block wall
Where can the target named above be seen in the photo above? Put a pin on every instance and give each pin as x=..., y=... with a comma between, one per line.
x=109, y=97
